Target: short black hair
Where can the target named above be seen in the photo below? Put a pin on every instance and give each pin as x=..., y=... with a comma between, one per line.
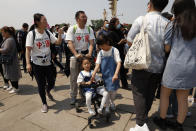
x=25, y=25
x=57, y=25
x=78, y=14
x=159, y=4
x=86, y=58
x=103, y=39
x=37, y=18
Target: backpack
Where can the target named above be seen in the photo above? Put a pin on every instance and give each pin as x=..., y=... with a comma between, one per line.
x=75, y=28
x=48, y=34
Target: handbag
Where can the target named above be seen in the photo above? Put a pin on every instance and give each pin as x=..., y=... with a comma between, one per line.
x=139, y=55
x=5, y=59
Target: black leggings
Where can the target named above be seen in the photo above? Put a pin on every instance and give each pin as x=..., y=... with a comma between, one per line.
x=43, y=75
x=1, y=71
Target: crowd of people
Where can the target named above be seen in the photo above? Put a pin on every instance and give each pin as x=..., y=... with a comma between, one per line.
x=171, y=74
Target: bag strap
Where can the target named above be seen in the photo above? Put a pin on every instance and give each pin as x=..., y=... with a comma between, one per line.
x=75, y=28
x=144, y=23
x=82, y=74
x=48, y=34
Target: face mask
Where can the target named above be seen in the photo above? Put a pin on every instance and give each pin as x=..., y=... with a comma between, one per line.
x=107, y=26
x=118, y=26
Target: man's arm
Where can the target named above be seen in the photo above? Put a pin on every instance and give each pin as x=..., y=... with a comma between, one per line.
x=90, y=47
x=72, y=48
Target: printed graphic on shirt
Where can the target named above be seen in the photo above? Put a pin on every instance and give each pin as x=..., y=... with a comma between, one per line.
x=82, y=37
x=42, y=43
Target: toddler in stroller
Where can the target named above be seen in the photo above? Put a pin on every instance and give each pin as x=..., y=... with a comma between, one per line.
x=92, y=90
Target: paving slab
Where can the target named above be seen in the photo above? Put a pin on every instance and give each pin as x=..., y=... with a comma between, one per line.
x=61, y=122
x=124, y=93
x=22, y=125
x=4, y=94
x=124, y=104
x=9, y=117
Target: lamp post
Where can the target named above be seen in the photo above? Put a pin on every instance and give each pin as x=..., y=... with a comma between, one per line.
x=113, y=7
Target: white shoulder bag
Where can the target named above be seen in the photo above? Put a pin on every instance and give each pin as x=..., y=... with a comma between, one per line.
x=139, y=55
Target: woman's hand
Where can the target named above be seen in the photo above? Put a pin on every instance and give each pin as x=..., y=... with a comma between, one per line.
x=29, y=68
x=92, y=78
x=114, y=78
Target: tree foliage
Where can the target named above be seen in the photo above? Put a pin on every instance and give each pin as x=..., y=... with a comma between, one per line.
x=97, y=24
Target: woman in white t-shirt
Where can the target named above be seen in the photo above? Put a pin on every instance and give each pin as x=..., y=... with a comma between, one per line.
x=38, y=47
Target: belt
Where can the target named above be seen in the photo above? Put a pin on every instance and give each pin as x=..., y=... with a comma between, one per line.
x=40, y=56
x=82, y=52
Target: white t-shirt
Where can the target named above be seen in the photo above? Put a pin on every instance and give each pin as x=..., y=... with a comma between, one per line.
x=109, y=53
x=80, y=38
x=40, y=53
x=86, y=74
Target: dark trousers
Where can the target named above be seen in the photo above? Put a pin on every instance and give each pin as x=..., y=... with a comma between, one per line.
x=43, y=75
x=144, y=88
x=123, y=76
x=23, y=61
x=123, y=73
x=59, y=52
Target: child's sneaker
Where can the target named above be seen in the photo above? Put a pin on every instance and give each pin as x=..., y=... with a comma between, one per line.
x=113, y=107
x=13, y=90
x=9, y=88
x=91, y=112
x=140, y=128
x=99, y=111
x=5, y=86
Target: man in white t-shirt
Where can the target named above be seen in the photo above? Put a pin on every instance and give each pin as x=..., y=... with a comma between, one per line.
x=80, y=41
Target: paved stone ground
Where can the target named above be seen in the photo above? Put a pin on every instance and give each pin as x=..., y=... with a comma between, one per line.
x=21, y=112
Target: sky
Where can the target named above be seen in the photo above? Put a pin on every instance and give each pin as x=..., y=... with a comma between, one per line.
x=16, y=12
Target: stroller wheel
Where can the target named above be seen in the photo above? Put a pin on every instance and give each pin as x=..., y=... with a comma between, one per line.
x=108, y=116
x=91, y=126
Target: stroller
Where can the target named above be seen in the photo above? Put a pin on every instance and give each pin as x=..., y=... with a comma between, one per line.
x=96, y=101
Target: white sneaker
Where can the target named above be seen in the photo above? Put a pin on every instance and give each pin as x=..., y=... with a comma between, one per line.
x=9, y=88
x=13, y=91
x=140, y=128
x=99, y=111
x=44, y=108
x=91, y=112
x=190, y=99
x=5, y=86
